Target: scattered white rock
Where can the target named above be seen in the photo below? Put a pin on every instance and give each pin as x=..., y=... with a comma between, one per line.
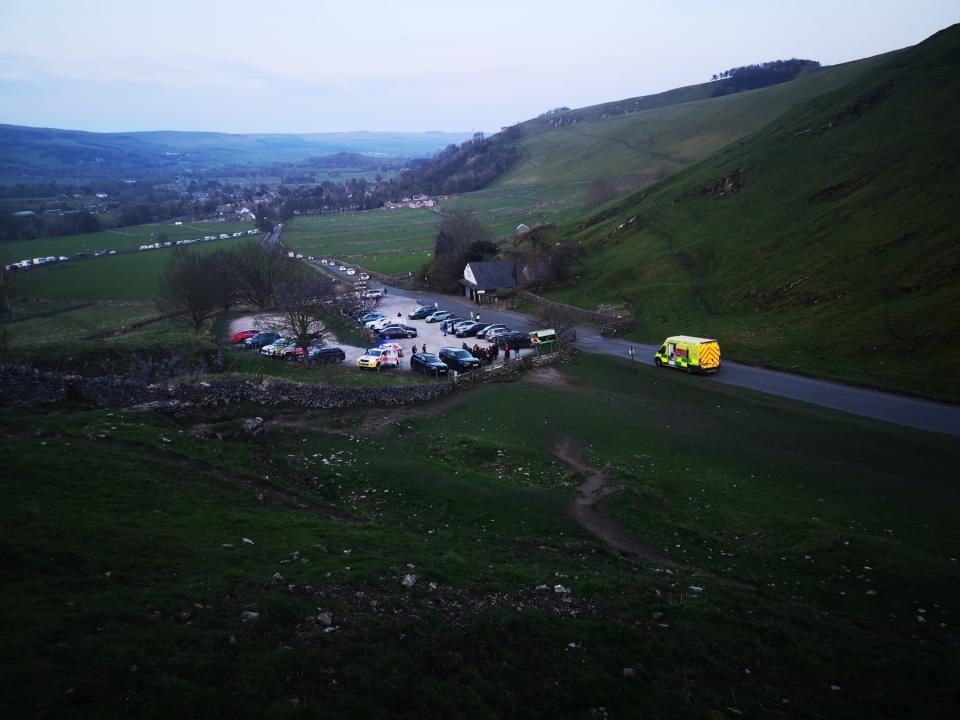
x=325, y=618
x=247, y=541
x=561, y=590
x=107, y=574
x=409, y=580
x=277, y=578
x=628, y=672
x=696, y=588
x=249, y=616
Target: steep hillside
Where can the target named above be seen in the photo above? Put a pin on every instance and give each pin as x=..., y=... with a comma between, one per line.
x=648, y=139
x=824, y=243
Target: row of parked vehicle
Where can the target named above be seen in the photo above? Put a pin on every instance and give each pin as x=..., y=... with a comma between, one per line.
x=271, y=344
x=496, y=333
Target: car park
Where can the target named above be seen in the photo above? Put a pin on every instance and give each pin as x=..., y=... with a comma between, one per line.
x=421, y=312
x=459, y=360
x=240, y=336
x=438, y=316
x=468, y=330
x=261, y=339
x=428, y=364
x=377, y=358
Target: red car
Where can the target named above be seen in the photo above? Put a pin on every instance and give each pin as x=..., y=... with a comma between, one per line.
x=239, y=337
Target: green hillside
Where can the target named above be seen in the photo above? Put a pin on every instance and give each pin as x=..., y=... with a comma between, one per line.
x=824, y=243
x=647, y=139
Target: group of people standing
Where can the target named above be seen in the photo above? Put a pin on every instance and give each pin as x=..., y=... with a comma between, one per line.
x=486, y=355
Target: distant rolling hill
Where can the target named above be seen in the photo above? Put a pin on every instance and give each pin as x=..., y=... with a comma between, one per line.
x=825, y=242
x=27, y=152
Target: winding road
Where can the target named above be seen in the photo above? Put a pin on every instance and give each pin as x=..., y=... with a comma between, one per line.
x=927, y=415
x=912, y=412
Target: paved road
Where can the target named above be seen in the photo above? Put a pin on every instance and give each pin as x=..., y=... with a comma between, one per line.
x=912, y=412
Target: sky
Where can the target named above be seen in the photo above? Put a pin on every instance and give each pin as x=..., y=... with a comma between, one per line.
x=321, y=66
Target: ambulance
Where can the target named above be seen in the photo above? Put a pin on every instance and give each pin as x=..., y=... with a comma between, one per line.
x=693, y=354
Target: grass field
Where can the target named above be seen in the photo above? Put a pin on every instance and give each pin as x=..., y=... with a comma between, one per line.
x=114, y=277
x=125, y=584
x=400, y=241
x=125, y=238
x=390, y=241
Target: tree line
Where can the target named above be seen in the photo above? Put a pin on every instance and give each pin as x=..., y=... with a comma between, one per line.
x=196, y=286
x=751, y=77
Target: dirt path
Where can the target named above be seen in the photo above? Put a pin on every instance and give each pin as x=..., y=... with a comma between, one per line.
x=588, y=511
x=587, y=507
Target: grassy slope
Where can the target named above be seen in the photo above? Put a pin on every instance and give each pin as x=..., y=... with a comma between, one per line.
x=685, y=126
x=812, y=507
x=837, y=257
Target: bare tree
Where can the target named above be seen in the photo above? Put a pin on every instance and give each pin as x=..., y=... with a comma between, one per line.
x=301, y=302
x=223, y=279
x=257, y=269
x=185, y=291
x=459, y=230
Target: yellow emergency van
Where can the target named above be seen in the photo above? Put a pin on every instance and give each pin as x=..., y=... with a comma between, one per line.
x=693, y=354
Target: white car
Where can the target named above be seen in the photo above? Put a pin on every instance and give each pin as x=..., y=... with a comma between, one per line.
x=351, y=271
x=379, y=323
x=342, y=268
x=364, y=276
x=377, y=293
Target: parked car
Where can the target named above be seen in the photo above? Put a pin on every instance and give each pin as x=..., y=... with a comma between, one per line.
x=379, y=323
x=459, y=360
x=240, y=336
x=449, y=323
x=364, y=276
x=514, y=339
x=351, y=271
x=261, y=339
x=375, y=293
x=371, y=316
x=468, y=330
x=342, y=268
x=377, y=358
x=421, y=312
x=397, y=331
x=491, y=335
x=482, y=332
x=325, y=355
x=428, y=364
x=438, y=316
x=276, y=348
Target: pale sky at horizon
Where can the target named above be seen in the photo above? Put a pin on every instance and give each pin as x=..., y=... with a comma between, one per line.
x=300, y=66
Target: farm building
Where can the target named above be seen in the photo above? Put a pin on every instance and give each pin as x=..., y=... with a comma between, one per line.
x=483, y=282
